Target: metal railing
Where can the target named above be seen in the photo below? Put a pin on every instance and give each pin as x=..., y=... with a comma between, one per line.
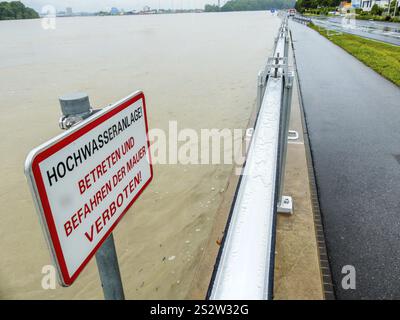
x=245, y=264
x=301, y=19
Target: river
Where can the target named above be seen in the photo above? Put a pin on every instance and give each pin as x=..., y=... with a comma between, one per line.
x=197, y=69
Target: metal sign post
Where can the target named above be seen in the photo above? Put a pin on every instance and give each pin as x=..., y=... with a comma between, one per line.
x=75, y=108
x=107, y=263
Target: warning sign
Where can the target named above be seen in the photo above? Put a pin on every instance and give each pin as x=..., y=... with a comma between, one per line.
x=85, y=180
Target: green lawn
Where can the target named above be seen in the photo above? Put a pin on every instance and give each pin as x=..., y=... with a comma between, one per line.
x=381, y=57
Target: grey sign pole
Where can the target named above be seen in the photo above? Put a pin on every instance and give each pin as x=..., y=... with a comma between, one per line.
x=75, y=107
x=107, y=263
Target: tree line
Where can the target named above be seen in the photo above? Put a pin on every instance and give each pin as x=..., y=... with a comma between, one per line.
x=323, y=6
x=251, y=5
x=16, y=10
x=312, y=4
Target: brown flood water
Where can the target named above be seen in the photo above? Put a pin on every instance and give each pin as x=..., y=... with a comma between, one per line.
x=197, y=69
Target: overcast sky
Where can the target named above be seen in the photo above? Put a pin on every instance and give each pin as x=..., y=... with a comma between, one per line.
x=97, y=5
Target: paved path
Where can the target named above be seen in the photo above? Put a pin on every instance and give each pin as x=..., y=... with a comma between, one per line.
x=353, y=118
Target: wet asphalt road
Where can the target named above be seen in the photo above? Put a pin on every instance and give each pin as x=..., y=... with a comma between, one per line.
x=353, y=118
x=382, y=31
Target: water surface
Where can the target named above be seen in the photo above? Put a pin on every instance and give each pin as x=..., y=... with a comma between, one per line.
x=197, y=69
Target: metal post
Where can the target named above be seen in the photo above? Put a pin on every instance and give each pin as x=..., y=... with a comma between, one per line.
x=286, y=54
x=107, y=263
x=260, y=89
x=76, y=107
x=285, y=203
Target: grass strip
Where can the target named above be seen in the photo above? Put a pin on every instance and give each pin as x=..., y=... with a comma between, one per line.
x=382, y=57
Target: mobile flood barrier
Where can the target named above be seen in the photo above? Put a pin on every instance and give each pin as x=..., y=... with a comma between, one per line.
x=245, y=264
x=301, y=19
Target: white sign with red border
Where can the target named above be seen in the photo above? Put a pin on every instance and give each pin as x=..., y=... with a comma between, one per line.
x=84, y=180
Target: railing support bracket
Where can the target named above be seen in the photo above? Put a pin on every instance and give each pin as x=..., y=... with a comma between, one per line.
x=285, y=205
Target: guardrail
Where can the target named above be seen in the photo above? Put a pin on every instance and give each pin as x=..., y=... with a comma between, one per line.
x=245, y=264
x=301, y=19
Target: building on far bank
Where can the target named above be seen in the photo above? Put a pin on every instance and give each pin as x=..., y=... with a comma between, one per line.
x=367, y=5
x=148, y=10
x=114, y=11
x=344, y=6
x=68, y=12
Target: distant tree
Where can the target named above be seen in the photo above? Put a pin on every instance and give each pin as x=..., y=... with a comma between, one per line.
x=211, y=8
x=16, y=10
x=302, y=5
x=376, y=10
x=392, y=8
x=250, y=5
